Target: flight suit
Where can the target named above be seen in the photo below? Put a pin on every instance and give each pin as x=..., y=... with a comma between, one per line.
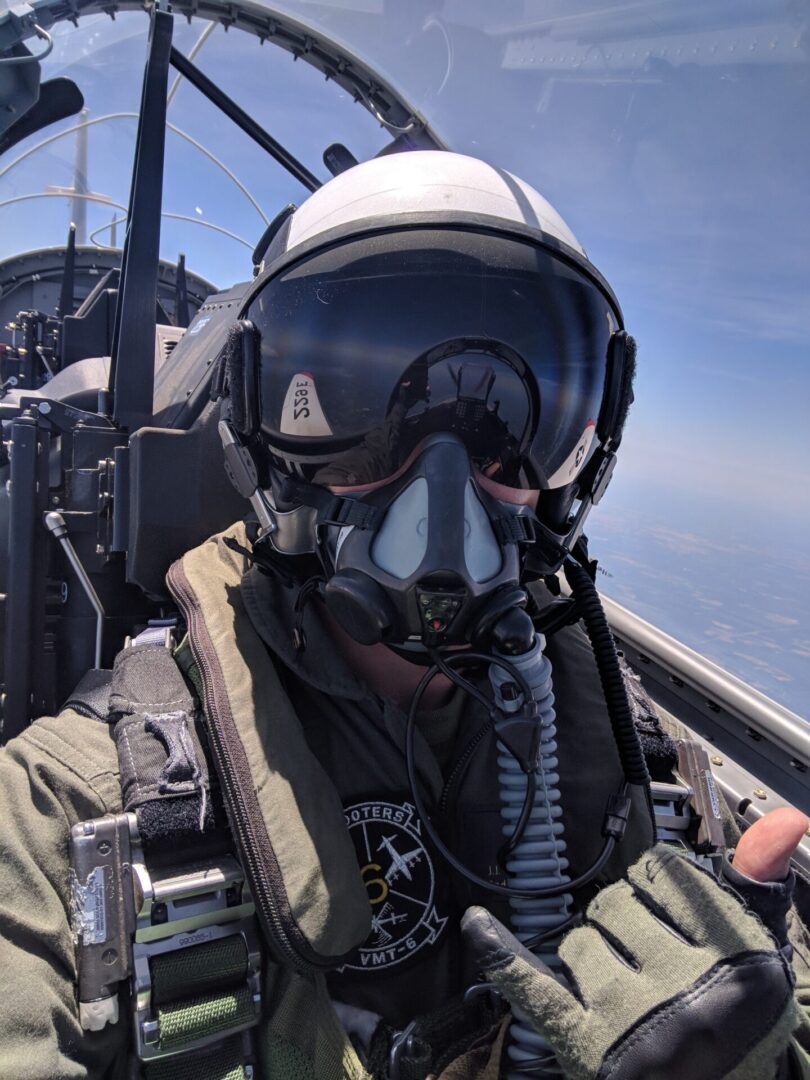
x=326, y=769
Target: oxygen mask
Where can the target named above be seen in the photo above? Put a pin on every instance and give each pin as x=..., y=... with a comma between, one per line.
x=435, y=559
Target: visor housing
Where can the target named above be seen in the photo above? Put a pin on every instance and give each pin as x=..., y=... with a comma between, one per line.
x=373, y=344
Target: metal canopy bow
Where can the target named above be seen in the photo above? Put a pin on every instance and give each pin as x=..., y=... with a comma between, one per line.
x=334, y=60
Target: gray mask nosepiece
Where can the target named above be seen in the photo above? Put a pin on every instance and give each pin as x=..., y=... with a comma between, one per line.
x=434, y=560
x=401, y=544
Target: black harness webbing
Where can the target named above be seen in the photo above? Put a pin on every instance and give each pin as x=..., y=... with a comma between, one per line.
x=194, y=952
x=165, y=778
x=332, y=509
x=432, y=1042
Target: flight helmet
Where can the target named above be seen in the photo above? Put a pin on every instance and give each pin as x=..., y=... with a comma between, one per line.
x=426, y=329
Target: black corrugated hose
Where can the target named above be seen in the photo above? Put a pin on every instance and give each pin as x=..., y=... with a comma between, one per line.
x=607, y=663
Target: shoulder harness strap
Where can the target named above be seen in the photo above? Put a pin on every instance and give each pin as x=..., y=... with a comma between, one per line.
x=162, y=884
x=159, y=735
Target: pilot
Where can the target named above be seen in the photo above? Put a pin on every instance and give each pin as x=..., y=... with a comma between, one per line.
x=372, y=698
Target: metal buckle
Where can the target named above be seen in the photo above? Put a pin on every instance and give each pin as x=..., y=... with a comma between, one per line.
x=201, y=1054
x=672, y=814
x=401, y=1046
x=675, y=822
x=160, y=634
x=124, y=915
x=474, y=993
x=206, y=902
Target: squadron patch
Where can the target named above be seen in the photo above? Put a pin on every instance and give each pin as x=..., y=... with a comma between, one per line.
x=398, y=873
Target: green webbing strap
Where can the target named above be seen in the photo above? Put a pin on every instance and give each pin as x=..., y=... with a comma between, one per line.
x=184, y=1021
x=216, y=965
x=223, y=1063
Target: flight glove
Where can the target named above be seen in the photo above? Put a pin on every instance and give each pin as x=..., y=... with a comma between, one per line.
x=670, y=978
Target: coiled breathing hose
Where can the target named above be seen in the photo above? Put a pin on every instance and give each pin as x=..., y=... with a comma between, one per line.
x=539, y=886
x=538, y=858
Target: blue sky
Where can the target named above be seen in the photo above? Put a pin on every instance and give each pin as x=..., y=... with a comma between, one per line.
x=672, y=138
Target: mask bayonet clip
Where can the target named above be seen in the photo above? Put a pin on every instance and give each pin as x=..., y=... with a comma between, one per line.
x=241, y=470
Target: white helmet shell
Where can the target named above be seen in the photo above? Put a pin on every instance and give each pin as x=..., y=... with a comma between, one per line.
x=425, y=181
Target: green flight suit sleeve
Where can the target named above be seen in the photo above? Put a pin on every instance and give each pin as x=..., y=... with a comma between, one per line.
x=59, y=771
x=799, y=935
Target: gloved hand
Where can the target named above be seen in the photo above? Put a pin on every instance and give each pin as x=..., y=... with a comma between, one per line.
x=670, y=978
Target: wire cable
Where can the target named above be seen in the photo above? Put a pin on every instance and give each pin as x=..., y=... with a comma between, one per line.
x=410, y=765
x=174, y=217
x=195, y=48
x=134, y=116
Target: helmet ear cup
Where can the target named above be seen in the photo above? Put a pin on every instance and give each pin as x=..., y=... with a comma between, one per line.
x=241, y=360
x=626, y=395
x=621, y=371
x=619, y=376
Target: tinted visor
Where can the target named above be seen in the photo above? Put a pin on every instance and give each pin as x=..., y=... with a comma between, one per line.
x=370, y=346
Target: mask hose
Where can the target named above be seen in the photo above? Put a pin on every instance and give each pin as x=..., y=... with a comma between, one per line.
x=536, y=853
x=522, y=712
x=539, y=856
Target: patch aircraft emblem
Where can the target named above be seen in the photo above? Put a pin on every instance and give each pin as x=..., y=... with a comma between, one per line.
x=398, y=873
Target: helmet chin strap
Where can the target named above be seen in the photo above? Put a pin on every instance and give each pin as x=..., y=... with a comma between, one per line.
x=293, y=531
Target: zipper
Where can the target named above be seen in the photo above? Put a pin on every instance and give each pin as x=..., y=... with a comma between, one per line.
x=462, y=762
x=266, y=881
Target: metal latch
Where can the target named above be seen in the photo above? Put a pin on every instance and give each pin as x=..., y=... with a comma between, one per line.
x=207, y=902
x=688, y=812
x=125, y=916
x=102, y=911
x=707, y=835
